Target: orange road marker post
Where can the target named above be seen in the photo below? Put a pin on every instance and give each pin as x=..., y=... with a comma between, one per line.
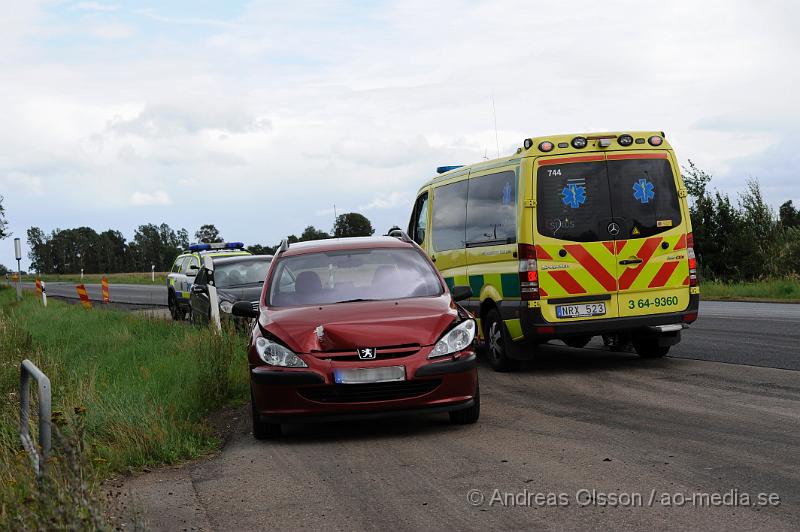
x=38, y=285
x=84, y=296
x=104, y=282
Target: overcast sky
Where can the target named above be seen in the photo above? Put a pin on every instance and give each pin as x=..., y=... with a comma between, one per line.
x=260, y=116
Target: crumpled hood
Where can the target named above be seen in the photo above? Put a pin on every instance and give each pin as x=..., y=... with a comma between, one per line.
x=360, y=324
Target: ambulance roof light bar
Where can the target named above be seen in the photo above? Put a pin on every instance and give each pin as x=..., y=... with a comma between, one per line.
x=445, y=169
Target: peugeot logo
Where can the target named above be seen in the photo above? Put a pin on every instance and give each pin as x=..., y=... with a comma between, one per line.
x=367, y=353
x=613, y=229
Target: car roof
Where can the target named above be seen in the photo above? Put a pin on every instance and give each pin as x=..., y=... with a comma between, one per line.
x=336, y=244
x=241, y=258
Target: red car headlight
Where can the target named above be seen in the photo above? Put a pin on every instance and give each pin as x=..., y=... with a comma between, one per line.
x=456, y=339
x=275, y=354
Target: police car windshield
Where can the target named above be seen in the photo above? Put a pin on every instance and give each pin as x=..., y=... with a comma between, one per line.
x=352, y=275
x=245, y=272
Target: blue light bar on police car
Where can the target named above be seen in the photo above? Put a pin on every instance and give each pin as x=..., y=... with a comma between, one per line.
x=443, y=169
x=216, y=245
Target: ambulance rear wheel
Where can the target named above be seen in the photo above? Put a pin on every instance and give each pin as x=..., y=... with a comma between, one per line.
x=649, y=348
x=577, y=341
x=498, y=343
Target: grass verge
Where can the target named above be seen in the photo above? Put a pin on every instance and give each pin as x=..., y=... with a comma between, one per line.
x=94, y=278
x=778, y=290
x=134, y=390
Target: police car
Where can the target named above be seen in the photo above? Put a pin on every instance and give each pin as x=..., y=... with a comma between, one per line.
x=185, y=269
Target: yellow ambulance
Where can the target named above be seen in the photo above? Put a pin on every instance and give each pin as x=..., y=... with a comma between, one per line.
x=573, y=236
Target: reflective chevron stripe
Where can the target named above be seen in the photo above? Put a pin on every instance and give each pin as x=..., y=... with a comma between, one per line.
x=567, y=282
x=595, y=269
x=645, y=253
x=663, y=275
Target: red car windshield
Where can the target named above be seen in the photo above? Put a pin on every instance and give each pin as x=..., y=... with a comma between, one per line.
x=352, y=275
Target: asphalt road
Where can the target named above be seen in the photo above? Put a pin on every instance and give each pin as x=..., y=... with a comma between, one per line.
x=570, y=424
x=758, y=334
x=574, y=421
x=134, y=294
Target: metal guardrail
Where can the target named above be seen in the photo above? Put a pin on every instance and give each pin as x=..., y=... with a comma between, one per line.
x=27, y=370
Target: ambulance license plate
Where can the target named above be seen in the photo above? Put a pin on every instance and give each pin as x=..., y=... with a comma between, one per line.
x=365, y=375
x=581, y=311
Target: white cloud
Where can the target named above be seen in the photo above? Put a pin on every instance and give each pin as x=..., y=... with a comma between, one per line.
x=282, y=110
x=387, y=201
x=95, y=6
x=158, y=197
x=29, y=184
x=112, y=31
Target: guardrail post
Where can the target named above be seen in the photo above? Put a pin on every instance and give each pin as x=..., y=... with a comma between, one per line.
x=27, y=370
x=213, y=298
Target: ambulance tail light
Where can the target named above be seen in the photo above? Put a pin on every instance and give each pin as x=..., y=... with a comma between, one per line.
x=528, y=273
x=692, y=259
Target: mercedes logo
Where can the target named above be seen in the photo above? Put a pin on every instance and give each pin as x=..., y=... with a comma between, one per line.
x=613, y=229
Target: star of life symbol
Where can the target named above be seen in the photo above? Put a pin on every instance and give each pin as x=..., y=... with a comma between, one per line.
x=644, y=191
x=573, y=195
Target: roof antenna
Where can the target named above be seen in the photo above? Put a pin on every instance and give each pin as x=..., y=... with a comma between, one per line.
x=496, y=138
x=485, y=150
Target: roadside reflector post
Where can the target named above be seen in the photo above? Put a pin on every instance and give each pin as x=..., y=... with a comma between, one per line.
x=213, y=299
x=152, y=273
x=104, y=283
x=44, y=295
x=83, y=296
x=18, y=254
x=81, y=274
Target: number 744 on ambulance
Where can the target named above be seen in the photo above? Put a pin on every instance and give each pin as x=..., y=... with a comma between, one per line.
x=572, y=236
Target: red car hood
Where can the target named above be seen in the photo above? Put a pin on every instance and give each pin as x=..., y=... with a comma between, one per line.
x=360, y=324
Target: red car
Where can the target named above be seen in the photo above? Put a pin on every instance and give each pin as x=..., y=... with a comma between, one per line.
x=358, y=327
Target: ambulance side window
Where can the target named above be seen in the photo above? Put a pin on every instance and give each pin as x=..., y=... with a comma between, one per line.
x=492, y=210
x=418, y=227
x=449, y=216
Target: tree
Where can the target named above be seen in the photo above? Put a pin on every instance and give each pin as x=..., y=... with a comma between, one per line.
x=789, y=216
x=4, y=270
x=312, y=233
x=208, y=233
x=696, y=181
x=157, y=245
x=258, y=249
x=3, y=223
x=39, y=254
x=352, y=224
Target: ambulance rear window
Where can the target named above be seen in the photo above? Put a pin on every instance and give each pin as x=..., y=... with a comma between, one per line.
x=645, y=200
x=573, y=201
